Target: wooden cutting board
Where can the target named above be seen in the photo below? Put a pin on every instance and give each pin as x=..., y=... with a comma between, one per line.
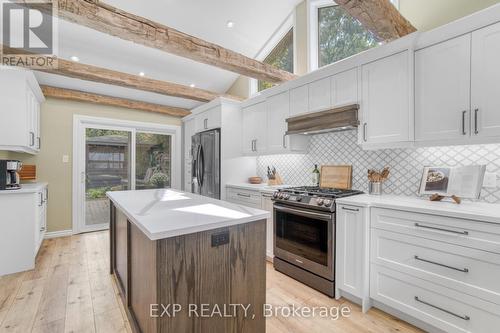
x=28, y=172
x=336, y=176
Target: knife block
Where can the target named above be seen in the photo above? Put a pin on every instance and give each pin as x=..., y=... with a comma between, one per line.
x=276, y=181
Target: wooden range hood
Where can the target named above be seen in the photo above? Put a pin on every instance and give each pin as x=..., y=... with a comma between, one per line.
x=331, y=120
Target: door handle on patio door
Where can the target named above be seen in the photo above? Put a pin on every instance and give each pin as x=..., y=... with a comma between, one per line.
x=82, y=177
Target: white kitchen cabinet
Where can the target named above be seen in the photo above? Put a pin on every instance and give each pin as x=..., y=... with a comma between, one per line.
x=442, y=90
x=344, y=88
x=299, y=100
x=319, y=95
x=278, y=110
x=208, y=119
x=20, y=104
x=485, y=101
x=24, y=224
x=385, y=101
x=352, y=254
x=254, y=198
x=255, y=128
x=267, y=204
x=441, y=270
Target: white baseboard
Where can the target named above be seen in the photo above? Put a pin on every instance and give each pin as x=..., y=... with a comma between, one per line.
x=61, y=233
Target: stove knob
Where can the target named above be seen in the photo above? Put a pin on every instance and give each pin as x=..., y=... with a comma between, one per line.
x=280, y=195
x=298, y=199
x=275, y=194
x=327, y=202
x=286, y=196
x=319, y=201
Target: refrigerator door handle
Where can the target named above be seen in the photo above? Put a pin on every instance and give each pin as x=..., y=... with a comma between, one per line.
x=198, y=166
x=201, y=163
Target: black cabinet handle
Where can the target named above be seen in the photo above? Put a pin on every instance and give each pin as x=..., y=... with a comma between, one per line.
x=351, y=209
x=464, y=132
x=476, y=129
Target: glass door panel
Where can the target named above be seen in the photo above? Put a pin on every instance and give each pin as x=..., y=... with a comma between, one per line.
x=302, y=236
x=153, y=156
x=107, y=168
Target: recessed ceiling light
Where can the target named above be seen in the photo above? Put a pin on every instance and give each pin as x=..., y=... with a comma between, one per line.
x=75, y=58
x=141, y=74
x=192, y=85
x=230, y=24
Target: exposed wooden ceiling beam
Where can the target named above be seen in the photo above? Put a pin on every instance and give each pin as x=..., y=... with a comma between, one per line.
x=82, y=96
x=102, y=75
x=380, y=17
x=110, y=20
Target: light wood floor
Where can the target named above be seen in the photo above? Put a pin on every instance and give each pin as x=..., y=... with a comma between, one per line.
x=70, y=290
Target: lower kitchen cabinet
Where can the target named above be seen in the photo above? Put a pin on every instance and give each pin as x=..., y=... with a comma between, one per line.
x=352, y=254
x=23, y=224
x=260, y=200
x=267, y=204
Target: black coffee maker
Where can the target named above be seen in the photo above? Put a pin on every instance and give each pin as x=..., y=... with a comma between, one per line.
x=9, y=175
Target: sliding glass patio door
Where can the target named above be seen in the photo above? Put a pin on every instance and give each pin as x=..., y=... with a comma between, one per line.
x=116, y=158
x=107, y=168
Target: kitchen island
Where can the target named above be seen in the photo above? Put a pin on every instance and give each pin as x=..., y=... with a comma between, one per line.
x=187, y=263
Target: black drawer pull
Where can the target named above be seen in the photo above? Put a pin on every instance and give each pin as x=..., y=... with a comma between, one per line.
x=243, y=195
x=441, y=229
x=441, y=309
x=351, y=209
x=465, y=270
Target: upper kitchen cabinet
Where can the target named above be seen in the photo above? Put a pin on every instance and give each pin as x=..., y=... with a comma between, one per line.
x=485, y=100
x=385, y=102
x=344, y=88
x=278, y=110
x=442, y=90
x=208, y=119
x=255, y=128
x=319, y=95
x=299, y=100
x=20, y=104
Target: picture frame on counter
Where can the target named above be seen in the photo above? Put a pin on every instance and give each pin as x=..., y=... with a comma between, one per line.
x=465, y=182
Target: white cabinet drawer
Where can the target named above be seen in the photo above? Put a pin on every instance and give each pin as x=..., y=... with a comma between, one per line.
x=446, y=309
x=468, y=233
x=471, y=271
x=244, y=197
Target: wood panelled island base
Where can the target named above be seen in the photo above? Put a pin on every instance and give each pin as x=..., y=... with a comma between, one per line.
x=207, y=285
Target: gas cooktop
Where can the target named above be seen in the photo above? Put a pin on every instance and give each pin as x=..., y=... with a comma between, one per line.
x=312, y=197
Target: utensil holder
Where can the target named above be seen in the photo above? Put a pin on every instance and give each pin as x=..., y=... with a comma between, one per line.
x=375, y=188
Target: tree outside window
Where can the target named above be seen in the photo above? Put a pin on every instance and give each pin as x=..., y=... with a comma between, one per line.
x=340, y=35
x=280, y=57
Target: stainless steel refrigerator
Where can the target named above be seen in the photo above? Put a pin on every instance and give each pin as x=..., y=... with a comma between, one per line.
x=206, y=163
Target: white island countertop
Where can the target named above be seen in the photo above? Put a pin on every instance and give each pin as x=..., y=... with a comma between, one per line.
x=168, y=213
x=480, y=211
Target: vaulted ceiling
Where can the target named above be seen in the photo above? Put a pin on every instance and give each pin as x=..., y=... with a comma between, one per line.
x=254, y=23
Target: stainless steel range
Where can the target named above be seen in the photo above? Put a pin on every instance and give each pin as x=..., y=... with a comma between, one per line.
x=304, y=234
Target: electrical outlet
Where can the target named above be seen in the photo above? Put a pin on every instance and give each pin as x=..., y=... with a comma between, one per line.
x=490, y=180
x=65, y=159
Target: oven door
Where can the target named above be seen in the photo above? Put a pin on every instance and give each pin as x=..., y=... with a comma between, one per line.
x=305, y=238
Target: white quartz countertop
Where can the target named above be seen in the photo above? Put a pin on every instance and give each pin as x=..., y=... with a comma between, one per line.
x=257, y=187
x=467, y=210
x=26, y=188
x=168, y=213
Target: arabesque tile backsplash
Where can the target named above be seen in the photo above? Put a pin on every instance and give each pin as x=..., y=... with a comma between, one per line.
x=406, y=164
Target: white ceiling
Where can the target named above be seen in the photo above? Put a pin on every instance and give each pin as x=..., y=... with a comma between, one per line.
x=255, y=21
